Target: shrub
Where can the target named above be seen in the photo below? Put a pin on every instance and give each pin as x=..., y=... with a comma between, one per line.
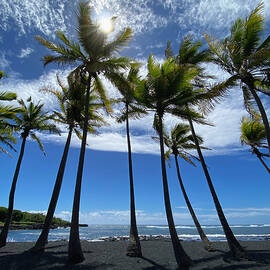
x=3, y=213
x=17, y=215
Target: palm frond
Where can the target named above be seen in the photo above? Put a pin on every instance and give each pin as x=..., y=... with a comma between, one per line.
x=34, y=137
x=120, y=41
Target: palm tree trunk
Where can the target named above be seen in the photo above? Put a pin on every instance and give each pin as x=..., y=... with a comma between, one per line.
x=134, y=246
x=207, y=244
x=259, y=156
x=43, y=238
x=4, y=232
x=234, y=245
x=263, y=114
x=75, y=254
x=181, y=257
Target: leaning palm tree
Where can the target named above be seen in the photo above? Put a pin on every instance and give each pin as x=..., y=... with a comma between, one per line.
x=179, y=141
x=126, y=84
x=166, y=89
x=71, y=101
x=31, y=119
x=246, y=58
x=92, y=55
x=253, y=134
x=190, y=56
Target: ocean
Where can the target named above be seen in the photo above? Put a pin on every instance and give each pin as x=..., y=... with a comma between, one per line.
x=254, y=232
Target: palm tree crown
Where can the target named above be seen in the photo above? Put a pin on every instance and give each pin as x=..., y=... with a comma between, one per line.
x=33, y=118
x=247, y=59
x=93, y=55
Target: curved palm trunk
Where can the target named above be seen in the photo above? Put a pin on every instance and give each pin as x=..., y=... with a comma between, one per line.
x=181, y=257
x=75, y=254
x=207, y=244
x=134, y=246
x=234, y=245
x=4, y=232
x=259, y=156
x=43, y=238
x=263, y=114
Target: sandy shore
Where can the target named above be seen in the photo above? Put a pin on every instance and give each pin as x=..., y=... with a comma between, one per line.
x=111, y=255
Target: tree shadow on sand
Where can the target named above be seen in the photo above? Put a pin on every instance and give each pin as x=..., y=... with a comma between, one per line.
x=48, y=260
x=256, y=259
x=155, y=266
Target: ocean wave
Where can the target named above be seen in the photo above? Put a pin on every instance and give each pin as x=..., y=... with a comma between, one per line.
x=157, y=227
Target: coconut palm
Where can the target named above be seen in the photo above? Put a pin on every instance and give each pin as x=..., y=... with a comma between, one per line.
x=178, y=142
x=7, y=113
x=253, y=134
x=32, y=118
x=6, y=137
x=166, y=90
x=190, y=56
x=92, y=55
x=126, y=84
x=71, y=102
x=246, y=58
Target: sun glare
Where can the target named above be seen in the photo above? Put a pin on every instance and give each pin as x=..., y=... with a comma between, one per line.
x=105, y=25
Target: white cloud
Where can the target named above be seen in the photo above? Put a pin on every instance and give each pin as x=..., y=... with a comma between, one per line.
x=196, y=15
x=142, y=16
x=4, y=63
x=25, y=52
x=146, y=217
x=37, y=14
x=223, y=138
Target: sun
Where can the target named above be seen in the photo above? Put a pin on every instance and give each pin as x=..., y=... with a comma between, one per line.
x=106, y=25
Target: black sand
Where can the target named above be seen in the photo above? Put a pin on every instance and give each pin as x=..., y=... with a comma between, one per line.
x=111, y=255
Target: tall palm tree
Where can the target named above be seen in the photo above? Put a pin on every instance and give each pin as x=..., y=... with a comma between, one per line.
x=253, y=134
x=166, y=90
x=190, y=56
x=71, y=101
x=178, y=142
x=92, y=56
x=126, y=84
x=246, y=58
x=31, y=119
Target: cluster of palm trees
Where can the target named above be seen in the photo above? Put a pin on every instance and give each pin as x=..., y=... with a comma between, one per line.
x=178, y=86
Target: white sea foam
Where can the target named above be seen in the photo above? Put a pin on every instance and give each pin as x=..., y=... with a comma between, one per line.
x=157, y=227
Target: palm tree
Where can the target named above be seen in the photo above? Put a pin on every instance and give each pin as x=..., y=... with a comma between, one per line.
x=31, y=118
x=253, y=134
x=6, y=137
x=190, y=56
x=93, y=55
x=246, y=58
x=7, y=113
x=166, y=90
x=126, y=85
x=178, y=141
x=71, y=102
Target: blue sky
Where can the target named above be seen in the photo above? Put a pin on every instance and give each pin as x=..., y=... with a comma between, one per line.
x=240, y=180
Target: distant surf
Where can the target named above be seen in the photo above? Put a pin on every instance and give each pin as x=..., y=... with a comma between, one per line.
x=250, y=232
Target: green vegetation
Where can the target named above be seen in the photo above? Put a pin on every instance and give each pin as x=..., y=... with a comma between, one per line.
x=26, y=218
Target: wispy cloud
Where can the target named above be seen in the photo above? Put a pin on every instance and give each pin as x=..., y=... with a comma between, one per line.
x=25, y=52
x=223, y=138
x=32, y=15
x=4, y=62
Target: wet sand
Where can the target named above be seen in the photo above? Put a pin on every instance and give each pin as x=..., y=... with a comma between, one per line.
x=157, y=254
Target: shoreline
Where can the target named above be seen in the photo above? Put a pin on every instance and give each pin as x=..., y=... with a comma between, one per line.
x=157, y=254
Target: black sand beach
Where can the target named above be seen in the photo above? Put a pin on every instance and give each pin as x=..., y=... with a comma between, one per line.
x=157, y=254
